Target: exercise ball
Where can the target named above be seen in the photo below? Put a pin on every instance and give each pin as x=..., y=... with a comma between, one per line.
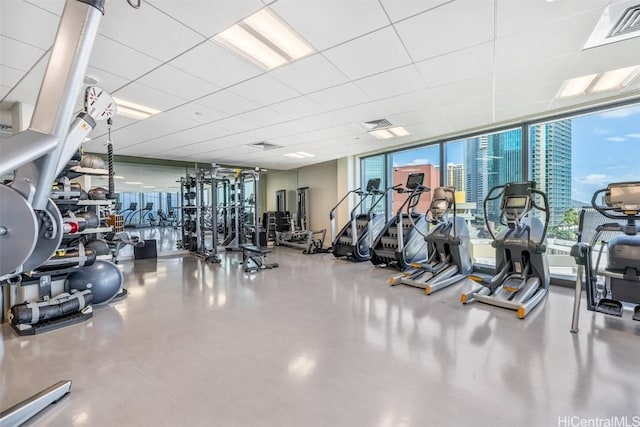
x=98, y=193
x=83, y=195
x=92, y=162
x=103, y=278
x=99, y=246
x=91, y=218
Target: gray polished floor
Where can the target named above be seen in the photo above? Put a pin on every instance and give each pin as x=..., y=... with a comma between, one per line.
x=320, y=342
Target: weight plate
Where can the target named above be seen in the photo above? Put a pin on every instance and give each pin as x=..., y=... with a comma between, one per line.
x=21, y=225
x=49, y=236
x=193, y=244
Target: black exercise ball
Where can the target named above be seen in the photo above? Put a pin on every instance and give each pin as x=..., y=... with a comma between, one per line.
x=83, y=195
x=103, y=278
x=98, y=193
x=91, y=218
x=99, y=246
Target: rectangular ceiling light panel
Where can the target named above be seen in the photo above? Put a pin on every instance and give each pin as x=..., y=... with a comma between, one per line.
x=133, y=110
x=389, y=132
x=264, y=39
x=609, y=80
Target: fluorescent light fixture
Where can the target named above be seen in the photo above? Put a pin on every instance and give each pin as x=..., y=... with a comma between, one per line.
x=264, y=39
x=133, y=110
x=134, y=182
x=389, y=132
x=118, y=177
x=599, y=82
x=300, y=155
x=86, y=139
x=148, y=186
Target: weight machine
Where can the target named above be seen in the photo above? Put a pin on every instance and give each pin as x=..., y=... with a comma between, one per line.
x=299, y=234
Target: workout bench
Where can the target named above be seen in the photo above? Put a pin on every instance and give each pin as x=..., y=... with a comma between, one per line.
x=253, y=259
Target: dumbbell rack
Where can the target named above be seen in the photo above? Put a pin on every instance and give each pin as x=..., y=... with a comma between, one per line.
x=189, y=214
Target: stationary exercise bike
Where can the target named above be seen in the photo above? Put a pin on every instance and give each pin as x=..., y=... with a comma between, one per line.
x=620, y=281
x=522, y=278
x=448, y=248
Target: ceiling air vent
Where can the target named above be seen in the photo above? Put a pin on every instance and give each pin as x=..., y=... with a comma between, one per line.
x=377, y=124
x=264, y=145
x=619, y=21
x=628, y=22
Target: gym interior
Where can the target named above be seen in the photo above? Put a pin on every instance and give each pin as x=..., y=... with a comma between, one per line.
x=320, y=213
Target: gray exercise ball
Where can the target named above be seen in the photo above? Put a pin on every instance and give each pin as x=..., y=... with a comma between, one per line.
x=98, y=193
x=103, y=278
x=99, y=247
x=92, y=162
x=91, y=218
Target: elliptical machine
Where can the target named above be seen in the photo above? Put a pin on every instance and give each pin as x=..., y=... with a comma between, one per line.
x=448, y=248
x=621, y=277
x=353, y=242
x=401, y=241
x=522, y=278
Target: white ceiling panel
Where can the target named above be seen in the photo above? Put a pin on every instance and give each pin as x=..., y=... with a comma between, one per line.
x=148, y=97
x=516, y=111
x=327, y=23
x=324, y=120
x=416, y=117
x=198, y=113
x=42, y=27
x=605, y=58
x=216, y=65
x=177, y=82
x=467, y=107
x=119, y=59
x=4, y=90
x=460, y=65
x=185, y=138
x=26, y=90
x=263, y=117
x=534, y=74
x=153, y=127
x=432, y=125
x=236, y=124
x=263, y=134
x=365, y=112
x=228, y=102
x=310, y=74
x=526, y=95
x=298, y=107
x=147, y=30
x=401, y=9
x=206, y=16
x=548, y=42
x=293, y=127
x=369, y=54
x=53, y=6
x=18, y=55
x=107, y=81
x=9, y=76
x=341, y=96
x=539, y=13
x=391, y=83
x=463, y=122
x=264, y=89
x=458, y=92
x=454, y=26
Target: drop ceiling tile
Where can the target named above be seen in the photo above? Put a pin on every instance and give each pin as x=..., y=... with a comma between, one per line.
x=527, y=95
x=264, y=90
x=263, y=117
x=369, y=54
x=391, y=83
x=52, y=6
x=534, y=74
x=455, y=66
x=401, y=9
x=547, y=42
x=327, y=23
x=324, y=120
x=464, y=122
x=25, y=91
x=432, y=126
x=513, y=112
x=148, y=97
x=297, y=108
x=18, y=55
x=227, y=102
x=263, y=134
x=473, y=25
x=208, y=17
x=41, y=30
x=310, y=74
x=9, y=76
x=293, y=127
x=107, y=81
x=457, y=92
x=181, y=140
x=509, y=13
x=467, y=107
x=162, y=37
x=151, y=128
x=216, y=65
x=605, y=58
x=119, y=59
x=177, y=82
x=366, y=112
x=4, y=90
x=338, y=97
x=198, y=113
x=236, y=124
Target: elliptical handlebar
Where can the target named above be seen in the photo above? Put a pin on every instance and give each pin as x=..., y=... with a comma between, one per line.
x=628, y=206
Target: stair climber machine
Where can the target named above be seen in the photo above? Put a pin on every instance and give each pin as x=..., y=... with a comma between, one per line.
x=31, y=225
x=355, y=238
x=401, y=241
x=448, y=248
x=522, y=269
x=620, y=281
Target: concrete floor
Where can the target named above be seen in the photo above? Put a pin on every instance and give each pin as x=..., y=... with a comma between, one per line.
x=320, y=342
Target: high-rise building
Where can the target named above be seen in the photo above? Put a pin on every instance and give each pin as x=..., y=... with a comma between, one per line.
x=551, y=165
x=456, y=176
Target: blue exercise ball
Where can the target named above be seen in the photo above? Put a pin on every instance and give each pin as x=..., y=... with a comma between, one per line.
x=103, y=278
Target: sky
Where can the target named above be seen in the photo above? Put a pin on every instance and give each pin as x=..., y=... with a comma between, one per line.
x=605, y=148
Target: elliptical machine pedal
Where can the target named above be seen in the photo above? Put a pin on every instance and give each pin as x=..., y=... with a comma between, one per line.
x=636, y=313
x=610, y=307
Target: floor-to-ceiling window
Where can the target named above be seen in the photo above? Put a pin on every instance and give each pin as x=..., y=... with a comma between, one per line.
x=422, y=160
x=374, y=168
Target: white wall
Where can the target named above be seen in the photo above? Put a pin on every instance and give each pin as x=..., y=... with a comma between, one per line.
x=322, y=180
